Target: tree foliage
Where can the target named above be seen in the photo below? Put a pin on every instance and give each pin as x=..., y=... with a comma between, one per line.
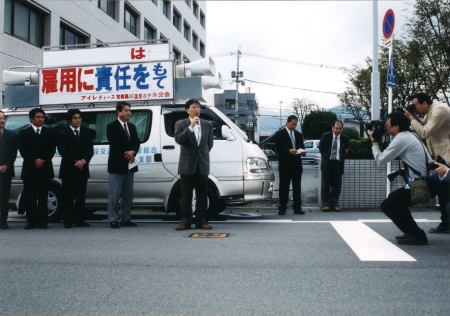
x=351, y=132
x=422, y=62
x=302, y=107
x=317, y=122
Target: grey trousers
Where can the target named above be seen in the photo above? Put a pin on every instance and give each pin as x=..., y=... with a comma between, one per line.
x=120, y=189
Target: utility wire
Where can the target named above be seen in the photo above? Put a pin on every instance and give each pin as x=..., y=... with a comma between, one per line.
x=276, y=85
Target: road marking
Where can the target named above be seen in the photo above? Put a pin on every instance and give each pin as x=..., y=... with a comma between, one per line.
x=367, y=244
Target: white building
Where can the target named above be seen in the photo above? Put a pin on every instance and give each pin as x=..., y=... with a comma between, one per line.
x=26, y=26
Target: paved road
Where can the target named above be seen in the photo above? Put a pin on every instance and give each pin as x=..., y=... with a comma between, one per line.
x=318, y=264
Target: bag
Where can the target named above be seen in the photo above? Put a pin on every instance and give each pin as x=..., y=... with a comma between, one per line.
x=420, y=191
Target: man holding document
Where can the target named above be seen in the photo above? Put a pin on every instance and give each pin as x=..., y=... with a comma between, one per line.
x=333, y=146
x=289, y=144
x=124, y=144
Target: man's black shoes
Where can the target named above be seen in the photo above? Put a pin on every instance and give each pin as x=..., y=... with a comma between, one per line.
x=114, y=225
x=30, y=225
x=440, y=230
x=128, y=223
x=42, y=225
x=410, y=240
x=404, y=236
x=68, y=225
x=82, y=224
x=299, y=212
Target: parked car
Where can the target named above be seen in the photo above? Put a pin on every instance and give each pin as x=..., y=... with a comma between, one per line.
x=312, y=149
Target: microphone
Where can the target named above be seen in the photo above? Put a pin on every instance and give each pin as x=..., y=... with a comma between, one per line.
x=198, y=122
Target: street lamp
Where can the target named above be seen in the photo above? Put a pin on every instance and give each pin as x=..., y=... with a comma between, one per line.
x=280, y=113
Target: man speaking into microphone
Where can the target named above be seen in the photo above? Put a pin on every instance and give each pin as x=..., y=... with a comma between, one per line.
x=196, y=139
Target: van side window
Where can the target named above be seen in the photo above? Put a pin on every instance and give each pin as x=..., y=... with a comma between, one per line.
x=309, y=144
x=172, y=115
x=95, y=121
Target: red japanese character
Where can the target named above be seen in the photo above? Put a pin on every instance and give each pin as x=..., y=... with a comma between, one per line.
x=68, y=79
x=138, y=54
x=82, y=85
x=49, y=80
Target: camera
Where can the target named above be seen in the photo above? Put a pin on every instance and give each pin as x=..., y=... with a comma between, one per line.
x=377, y=127
x=395, y=174
x=410, y=108
x=439, y=159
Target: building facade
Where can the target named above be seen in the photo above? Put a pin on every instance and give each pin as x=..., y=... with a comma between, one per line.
x=248, y=110
x=26, y=26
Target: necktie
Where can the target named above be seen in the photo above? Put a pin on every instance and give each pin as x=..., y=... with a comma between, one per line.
x=126, y=131
x=1, y=135
x=197, y=133
x=77, y=133
x=292, y=139
x=334, y=151
x=38, y=131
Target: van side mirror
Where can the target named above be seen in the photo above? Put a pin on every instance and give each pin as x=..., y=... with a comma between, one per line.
x=226, y=133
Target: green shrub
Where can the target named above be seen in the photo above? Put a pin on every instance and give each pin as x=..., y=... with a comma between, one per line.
x=361, y=149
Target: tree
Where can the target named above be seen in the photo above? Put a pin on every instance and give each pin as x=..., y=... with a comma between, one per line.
x=302, y=107
x=317, y=122
x=351, y=132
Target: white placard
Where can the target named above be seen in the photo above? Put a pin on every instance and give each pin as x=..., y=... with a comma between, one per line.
x=106, y=83
x=105, y=55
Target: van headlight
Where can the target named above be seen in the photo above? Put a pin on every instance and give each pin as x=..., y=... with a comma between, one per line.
x=257, y=165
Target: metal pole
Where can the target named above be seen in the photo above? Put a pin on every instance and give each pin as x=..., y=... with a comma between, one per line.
x=375, y=74
x=236, y=118
x=280, y=114
x=388, y=168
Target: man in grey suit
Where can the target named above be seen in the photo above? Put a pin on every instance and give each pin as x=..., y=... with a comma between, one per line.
x=8, y=153
x=196, y=139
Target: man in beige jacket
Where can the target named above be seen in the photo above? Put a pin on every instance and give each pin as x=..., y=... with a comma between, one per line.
x=435, y=128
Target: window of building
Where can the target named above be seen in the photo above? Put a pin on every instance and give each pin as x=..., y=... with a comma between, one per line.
x=186, y=60
x=250, y=106
x=176, y=53
x=101, y=44
x=194, y=40
x=166, y=9
x=230, y=103
x=24, y=22
x=176, y=20
x=202, y=49
x=149, y=31
x=202, y=18
x=195, y=9
x=109, y=7
x=188, y=3
x=69, y=36
x=187, y=31
x=131, y=19
x=155, y=2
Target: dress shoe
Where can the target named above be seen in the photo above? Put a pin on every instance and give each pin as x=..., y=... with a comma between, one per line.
x=4, y=226
x=114, y=225
x=29, y=225
x=203, y=226
x=326, y=208
x=128, y=223
x=336, y=209
x=68, y=225
x=281, y=212
x=42, y=225
x=412, y=241
x=440, y=230
x=299, y=212
x=404, y=236
x=82, y=224
x=182, y=227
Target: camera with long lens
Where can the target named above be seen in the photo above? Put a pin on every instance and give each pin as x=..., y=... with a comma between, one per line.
x=432, y=165
x=410, y=108
x=395, y=174
x=377, y=127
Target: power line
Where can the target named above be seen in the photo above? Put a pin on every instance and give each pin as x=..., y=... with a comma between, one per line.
x=276, y=85
x=283, y=60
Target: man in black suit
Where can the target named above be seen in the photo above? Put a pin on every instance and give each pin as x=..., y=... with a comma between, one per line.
x=75, y=145
x=8, y=154
x=288, y=141
x=123, y=146
x=333, y=146
x=196, y=139
x=37, y=147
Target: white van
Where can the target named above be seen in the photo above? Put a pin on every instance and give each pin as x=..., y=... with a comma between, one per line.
x=239, y=169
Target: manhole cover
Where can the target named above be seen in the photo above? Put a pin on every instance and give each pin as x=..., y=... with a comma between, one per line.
x=208, y=235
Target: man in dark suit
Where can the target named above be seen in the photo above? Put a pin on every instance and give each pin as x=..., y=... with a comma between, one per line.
x=333, y=146
x=196, y=139
x=8, y=154
x=288, y=141
x=123, y=146
x=37, y=147
x=75, y=145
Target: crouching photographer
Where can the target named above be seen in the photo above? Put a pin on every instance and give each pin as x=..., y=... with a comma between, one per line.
x=409, y=149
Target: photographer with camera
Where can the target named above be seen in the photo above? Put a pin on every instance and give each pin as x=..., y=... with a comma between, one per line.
x=435, y=128
x=409, y=149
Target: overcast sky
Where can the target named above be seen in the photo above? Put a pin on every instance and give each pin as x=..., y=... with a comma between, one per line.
x=331, y=33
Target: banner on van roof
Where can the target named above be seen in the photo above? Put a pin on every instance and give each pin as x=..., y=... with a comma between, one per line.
x=106, y=83
x=105, y=55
